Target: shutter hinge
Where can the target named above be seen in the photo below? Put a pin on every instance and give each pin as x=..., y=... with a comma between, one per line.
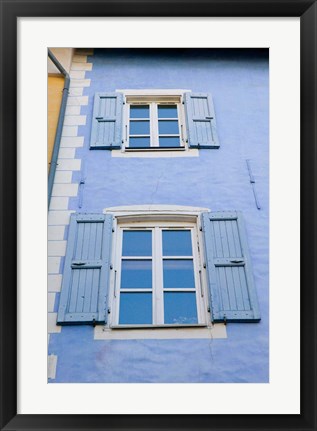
x=201, y=228
x=94, y=323
x=112, y=229
x=204, y=265
x=224, y=320
x=111, y=267
x=109, y=310
x=208, y=309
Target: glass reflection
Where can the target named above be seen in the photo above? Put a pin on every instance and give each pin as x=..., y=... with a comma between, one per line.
x=180, y=308
x=177, y=243
x=178, y=273
x=136, y=274
x=135, y=308
x=137, y=243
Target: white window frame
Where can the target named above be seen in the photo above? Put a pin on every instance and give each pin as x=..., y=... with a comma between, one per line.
x=153, y=98
x=166, y=216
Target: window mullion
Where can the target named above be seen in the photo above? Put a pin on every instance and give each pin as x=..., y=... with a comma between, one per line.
x=117, y=277
x=154, y=125
x=198, y=277
x=158, y=304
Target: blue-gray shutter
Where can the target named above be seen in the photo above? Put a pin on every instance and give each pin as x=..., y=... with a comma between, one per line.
x=200, y=121
x=106, y=128
x=86, y=275
x=229, y=271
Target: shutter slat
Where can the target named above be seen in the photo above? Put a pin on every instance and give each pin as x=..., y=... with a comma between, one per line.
x=86, y=239
x=88, y=289
x=237, y=288
x=231, y=286
x=94, y=292
x=106, y=129
x=81, y=289
x=75, y=276
x=87, y=269
x=79, y=242
x=201, y=121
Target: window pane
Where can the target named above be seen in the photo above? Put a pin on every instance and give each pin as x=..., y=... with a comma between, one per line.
x=139, y=111
x=139, y=127
x=167, y=111
x=178, y=273
x=168, y=127
x=177, y=243
x=135, y=308
x=180, y=307
x=139, y=142
x=137, y=243
x=136, y=274
x=169, y=141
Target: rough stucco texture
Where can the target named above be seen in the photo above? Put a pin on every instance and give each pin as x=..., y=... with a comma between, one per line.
x=218, y=179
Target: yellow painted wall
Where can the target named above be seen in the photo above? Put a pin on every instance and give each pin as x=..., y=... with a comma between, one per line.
x=55, y=92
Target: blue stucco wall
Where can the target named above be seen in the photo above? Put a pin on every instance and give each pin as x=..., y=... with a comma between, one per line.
x=218, y=179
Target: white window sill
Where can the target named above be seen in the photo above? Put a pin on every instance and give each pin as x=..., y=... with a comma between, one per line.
x=156, y=152
x=166, y=326
x=155, y=149
x=215, y=331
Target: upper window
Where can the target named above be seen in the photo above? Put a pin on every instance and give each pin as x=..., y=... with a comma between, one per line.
x=153, y=120
x=154, y=124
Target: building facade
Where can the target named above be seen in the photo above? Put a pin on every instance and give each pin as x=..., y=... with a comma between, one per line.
x=158, y=253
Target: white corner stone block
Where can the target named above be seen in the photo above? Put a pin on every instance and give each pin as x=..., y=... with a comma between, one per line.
x=75, y=120
x=77, y=100
x=66, y=153
x=51, y=301
x=75, y=83
x=55, y=233
x=77, y=74
x=63, y=177
x=72, y=110
x=51, y=366
x=56, y=248
x=68, y=164
x=80, y=58
x=84, y=51
x=65, y=190
x=58, y=203
x=56, y=218
x=70, y=131
x=54, y=282
x=53, y=265
x=72, y=142
x=81, y=66
x=74, y=91
x=51, y=323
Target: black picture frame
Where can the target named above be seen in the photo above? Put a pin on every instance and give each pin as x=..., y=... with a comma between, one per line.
x=10, y=11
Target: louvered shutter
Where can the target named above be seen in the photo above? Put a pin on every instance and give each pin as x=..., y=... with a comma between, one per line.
x=85, y=282
x=106, y=129
x=231, y=286
x=200, y=121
